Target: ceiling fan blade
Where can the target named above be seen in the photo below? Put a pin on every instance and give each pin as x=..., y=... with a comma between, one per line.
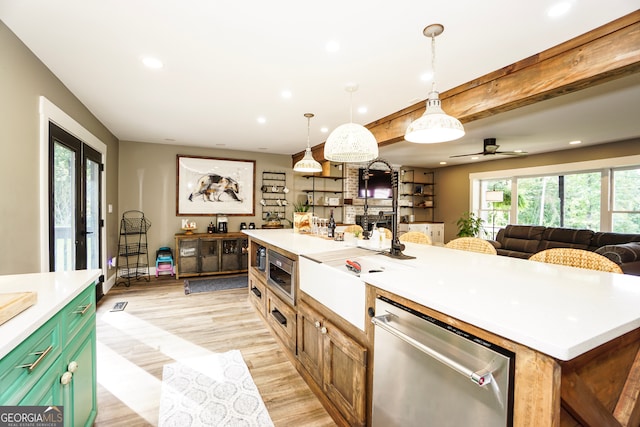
x=470, y=154
x=511, y=153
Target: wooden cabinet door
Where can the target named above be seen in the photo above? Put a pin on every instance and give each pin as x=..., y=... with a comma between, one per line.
x=437, y=233
x=310, y=340
x=344, y=374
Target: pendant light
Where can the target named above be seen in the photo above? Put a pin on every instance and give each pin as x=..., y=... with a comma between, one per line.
x=435, y=125
x=350, y=142
x=308, y=164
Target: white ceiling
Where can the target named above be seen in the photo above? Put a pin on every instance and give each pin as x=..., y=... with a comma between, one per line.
x=226, y=63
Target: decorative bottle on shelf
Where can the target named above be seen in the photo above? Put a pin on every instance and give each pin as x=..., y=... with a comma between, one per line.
x=331, y=227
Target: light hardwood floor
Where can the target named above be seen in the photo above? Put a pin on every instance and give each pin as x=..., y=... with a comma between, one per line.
x=161, y=325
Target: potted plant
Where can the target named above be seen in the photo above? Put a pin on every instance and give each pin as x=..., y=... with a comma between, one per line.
x=469, y=225
x=301, y=218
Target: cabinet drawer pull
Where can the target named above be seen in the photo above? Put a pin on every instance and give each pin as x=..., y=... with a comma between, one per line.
x=82, y=311
x=279, y=317
x=33, y=365
x=257, y=292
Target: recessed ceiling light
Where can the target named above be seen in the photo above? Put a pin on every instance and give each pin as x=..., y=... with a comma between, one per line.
x=517, y=151
x=169, y=139
x=475, y=158
x=362, y=110
x=324, y=129
x=559, y=9
x=286, y=94
x=332, y=46
x=576, y=142
x=151, y=62
x=262, y=120
x=443, y=163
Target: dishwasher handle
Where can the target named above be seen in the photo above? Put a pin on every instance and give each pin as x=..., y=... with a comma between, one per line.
x=481, y=378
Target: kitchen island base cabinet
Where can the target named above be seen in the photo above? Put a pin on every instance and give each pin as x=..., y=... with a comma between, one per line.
x=335, y=361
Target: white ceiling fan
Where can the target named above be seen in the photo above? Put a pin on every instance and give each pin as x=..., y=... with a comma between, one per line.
x=490, y=149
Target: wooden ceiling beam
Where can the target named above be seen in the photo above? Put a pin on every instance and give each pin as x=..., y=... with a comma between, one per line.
x=603, y=54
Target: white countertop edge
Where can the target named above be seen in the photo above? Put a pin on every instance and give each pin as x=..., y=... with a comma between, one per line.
x=54, y=291
x=560, y=352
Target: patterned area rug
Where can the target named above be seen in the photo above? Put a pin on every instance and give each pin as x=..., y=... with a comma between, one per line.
x=215, y=390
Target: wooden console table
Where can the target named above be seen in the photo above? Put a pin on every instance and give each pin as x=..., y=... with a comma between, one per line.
x=201, y=254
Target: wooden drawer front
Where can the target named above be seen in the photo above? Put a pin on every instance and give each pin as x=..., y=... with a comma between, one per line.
x=23, y=367
x=257, y=294
x=77, y=313
x=282, y=320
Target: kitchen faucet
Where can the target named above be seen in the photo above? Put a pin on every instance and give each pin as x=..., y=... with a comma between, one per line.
x=396, y=247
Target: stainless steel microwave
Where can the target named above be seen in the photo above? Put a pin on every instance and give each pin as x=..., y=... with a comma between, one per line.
x=281, y=275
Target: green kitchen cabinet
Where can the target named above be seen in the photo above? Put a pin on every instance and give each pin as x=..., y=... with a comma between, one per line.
x=80, y=398
x=56, y=364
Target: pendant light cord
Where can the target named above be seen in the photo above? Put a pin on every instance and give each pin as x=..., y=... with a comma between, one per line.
x=433, y=62
x=351, y=106
x=308, y=132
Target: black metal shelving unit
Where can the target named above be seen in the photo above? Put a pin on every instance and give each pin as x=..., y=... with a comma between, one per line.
x=274, y=195
x=420, y=193
x=133, y=252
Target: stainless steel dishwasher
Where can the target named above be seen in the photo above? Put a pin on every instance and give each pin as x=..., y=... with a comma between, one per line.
x=428, y=373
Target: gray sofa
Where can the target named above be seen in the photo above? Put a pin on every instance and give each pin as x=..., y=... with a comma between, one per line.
x=522, y=241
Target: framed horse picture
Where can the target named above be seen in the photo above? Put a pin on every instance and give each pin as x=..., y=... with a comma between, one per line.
x=213, y=186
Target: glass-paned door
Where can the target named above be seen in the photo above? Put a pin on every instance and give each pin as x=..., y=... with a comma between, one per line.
x=92, y=181
x=62, y=251
x=74, y=200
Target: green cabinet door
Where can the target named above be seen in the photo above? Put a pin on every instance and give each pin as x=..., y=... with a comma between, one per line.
x=80, y=397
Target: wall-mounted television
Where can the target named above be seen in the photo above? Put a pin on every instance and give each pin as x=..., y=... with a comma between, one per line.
x=379, y=185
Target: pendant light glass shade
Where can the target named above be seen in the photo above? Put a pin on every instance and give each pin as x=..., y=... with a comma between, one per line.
x=351, y=142
x=308, y=164
x=434, y=125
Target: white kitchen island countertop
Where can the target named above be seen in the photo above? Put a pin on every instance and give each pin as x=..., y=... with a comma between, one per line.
x=296, y=243
x=54, y=290
x=560, y=311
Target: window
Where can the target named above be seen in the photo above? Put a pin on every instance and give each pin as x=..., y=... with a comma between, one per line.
x=625, y=215
x=571, y=201
x=600, y=195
